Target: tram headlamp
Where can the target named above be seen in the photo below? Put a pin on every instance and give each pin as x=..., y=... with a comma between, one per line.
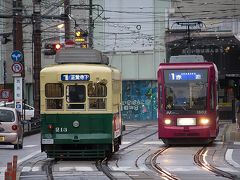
x=167, y=121
x=204, y=121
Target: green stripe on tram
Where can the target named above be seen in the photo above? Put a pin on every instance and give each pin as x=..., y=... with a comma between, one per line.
x=93, y=128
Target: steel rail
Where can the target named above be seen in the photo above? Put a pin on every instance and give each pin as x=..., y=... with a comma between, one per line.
x=165, y=174
x=103, y=165
x=200, y=161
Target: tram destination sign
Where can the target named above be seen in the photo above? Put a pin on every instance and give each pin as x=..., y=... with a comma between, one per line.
x=183, y=75
x=75, y=77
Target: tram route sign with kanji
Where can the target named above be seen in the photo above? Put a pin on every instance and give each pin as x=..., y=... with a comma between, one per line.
x=17, y=67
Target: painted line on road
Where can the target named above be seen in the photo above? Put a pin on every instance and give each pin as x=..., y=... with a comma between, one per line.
x=3, y=169
x=236, y=143
x=30, y=146
x=126, y=142
x=153, y=143
x=229, y=159
x=29, y=156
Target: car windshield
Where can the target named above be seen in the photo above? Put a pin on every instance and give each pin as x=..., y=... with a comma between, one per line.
x=6, y=115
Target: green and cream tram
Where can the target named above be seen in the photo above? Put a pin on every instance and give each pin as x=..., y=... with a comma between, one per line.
x=80, y=105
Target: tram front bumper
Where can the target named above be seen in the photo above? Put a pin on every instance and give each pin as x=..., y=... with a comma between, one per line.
x=187, y=132
x=96, y=138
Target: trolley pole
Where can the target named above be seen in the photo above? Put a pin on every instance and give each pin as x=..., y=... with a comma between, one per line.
x=37, y=56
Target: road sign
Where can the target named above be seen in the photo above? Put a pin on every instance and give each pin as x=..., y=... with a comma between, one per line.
x=17, y=67
x=5, y=94
x=18, y=82
x=16, y=55
x=18, y=106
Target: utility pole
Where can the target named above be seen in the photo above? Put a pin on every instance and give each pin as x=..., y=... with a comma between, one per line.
x=37, y=56
x=18, y=48
x=17, y=26
x=90, y=37
x=67, y=20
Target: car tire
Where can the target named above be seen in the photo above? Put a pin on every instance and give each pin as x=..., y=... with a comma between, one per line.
x=19, y=145
x=16, y=146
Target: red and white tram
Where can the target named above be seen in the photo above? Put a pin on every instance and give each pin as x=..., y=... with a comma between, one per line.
x=187, y=102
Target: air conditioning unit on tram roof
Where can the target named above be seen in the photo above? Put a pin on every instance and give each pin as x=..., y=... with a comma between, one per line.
x=186, y=58
x=81, y=55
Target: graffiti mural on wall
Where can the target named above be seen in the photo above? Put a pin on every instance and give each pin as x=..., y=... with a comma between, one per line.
x=139, y=100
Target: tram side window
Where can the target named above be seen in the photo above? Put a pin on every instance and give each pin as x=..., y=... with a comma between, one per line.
x=160, y=97
x=97, y=93
x=76, y=96
x=212, y=97
x=169, y=97
x=54, y=95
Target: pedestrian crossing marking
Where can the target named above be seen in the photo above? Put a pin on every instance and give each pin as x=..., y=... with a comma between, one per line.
x=229, y=159
x=84, y=169
x=153, y=143
x=30, y=146
x=26, y=169
x=126, y=142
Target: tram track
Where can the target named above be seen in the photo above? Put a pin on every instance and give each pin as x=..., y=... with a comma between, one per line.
x=132, y=131
x=37, y=162
x=46, y=164
x=103, y=165
x=199, y=159
x=48, y=168
x=154, y=165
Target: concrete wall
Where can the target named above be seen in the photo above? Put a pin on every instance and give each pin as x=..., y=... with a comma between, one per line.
x=140, y=66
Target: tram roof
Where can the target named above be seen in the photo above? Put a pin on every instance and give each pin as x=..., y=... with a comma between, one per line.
x=183, y=65
x=81, y=55
x=71, y=68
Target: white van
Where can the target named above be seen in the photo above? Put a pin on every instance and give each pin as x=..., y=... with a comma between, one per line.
x=27, y=109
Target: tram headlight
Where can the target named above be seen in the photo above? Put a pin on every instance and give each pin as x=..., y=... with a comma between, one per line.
x=204, y=121
x=167, y=121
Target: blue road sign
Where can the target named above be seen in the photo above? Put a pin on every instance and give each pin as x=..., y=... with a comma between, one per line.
x=18, y=105
x=16, y=55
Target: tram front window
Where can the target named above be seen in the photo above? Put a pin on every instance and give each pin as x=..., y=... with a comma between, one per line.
x=186, y=96
x=54, y=96
x=186, y=89
x=76, y=96
x=97, y=93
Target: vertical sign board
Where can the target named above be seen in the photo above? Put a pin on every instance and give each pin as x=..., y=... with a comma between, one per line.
x=18, y=93
x=17, y=67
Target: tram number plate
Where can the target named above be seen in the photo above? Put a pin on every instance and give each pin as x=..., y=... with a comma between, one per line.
x=2, y=138
x=47, y=141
